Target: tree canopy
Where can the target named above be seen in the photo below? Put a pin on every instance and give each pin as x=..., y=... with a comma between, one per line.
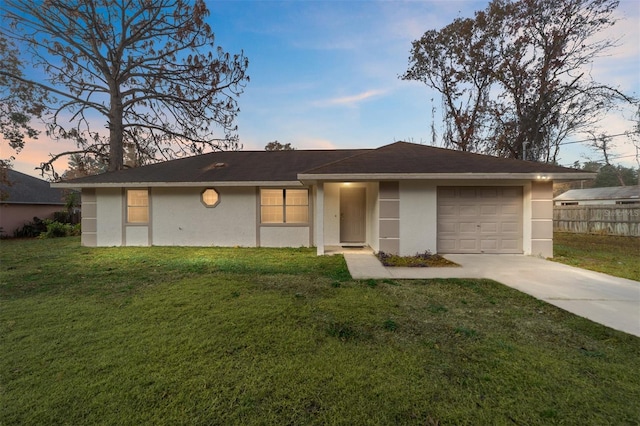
x=20, y=101
x=277, y=146
x=514, y=78
x=147, y=71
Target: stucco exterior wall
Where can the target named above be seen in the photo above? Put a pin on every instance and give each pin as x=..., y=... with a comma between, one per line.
x=136, y=235
x=541, y=213
x=109, y=214
x=418, y=214
x=14, y=216
x=389, y=219
x=284, y=236
x=331, y=214
x=89, y=222
x=418, y=217
x=373, y=216
x=179, y=218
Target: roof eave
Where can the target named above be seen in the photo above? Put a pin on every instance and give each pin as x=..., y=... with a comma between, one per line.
x=33, y=203
x=557, y=176
x=173, y=184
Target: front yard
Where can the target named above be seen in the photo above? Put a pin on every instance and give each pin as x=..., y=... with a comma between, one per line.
x=279, y=336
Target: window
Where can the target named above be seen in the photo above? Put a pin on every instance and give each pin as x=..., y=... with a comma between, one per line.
x=210, y=197
x=284, y=206
x=137, y=206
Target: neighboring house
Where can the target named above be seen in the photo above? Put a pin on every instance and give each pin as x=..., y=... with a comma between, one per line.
x=401, y=198
x=26, y=197
x=592, y=196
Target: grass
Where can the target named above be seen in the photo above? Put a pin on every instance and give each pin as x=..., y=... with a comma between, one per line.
x=613, y=255
x=279, y=336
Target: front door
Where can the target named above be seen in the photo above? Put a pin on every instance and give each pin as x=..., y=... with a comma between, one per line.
x=352, y=215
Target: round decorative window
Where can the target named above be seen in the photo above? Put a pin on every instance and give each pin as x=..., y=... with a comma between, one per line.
x=210, y=197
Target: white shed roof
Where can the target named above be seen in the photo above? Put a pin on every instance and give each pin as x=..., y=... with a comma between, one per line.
x=607, y=193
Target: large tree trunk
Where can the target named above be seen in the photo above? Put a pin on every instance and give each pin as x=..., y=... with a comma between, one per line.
x=116, y=149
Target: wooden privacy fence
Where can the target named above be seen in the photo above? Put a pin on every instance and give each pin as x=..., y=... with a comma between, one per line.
x=598, y=219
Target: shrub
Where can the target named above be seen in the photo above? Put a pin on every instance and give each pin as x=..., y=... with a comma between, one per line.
x=56, y=229
x=418, y=260
x=31, y=229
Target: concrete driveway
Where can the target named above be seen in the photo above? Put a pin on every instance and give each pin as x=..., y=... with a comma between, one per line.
x=614, y=302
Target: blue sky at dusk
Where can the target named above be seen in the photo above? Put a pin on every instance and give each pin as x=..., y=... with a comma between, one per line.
x=324, y=74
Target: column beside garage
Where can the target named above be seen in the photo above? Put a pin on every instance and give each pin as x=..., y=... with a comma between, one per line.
x=541, y=199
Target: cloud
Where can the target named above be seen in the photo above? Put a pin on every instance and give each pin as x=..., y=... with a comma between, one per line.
x=305, y=142
x=352, y=100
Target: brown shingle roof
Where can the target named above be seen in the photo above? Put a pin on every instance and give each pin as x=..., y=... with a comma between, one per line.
x=404, y=157
x=287, y=166
x=226, y=166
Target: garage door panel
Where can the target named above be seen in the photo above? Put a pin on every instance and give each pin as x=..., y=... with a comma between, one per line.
x=467, y=228
x=480, y=219
x=488, y=245
x=449, y=228
x=447, y=193
x=445, y=210
x=488, y=193
x=489, y=210
x=468, y=210
x=509, y=210
x=514, y=245
x=468, y=244
x=467, y=193
x=510, y=228
x=489, y=228
x=448, y=245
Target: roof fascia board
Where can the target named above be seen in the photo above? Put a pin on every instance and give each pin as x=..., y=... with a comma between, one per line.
x=453, y=176
x=174, y=184
x=34, y=203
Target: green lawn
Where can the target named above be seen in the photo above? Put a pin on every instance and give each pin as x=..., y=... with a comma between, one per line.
x=613, y=255
x=210, y=336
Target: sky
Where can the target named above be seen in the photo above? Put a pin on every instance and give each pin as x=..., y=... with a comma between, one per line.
x=325, y=74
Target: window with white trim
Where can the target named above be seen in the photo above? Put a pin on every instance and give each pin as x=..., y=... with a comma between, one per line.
x=137, y=206
x=284, y=206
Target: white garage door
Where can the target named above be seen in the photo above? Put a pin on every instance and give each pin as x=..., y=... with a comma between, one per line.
x=480, y=219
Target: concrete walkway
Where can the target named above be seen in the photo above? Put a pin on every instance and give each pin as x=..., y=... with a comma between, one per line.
x=612, y=301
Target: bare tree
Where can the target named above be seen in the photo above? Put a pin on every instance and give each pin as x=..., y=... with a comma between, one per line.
x=634, y=137
x=456, y=62
x=148, y=71
x=514, y=77
x=603, y=144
